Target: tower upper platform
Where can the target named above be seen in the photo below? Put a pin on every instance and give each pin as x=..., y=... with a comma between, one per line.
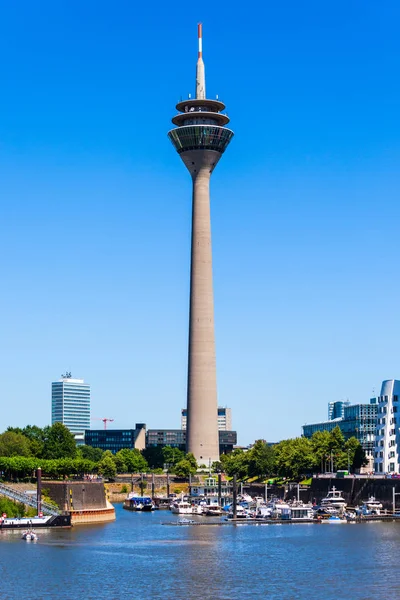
x=200, y=122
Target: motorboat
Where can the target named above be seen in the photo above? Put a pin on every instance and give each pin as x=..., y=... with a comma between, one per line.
x=198, y=509
x=335, y=520
x=212, y=511
x=29, y=536
x=139, y=503
x=335, y=499
x=370, y=507
x=373, y=505
x=263, y=512
x=186, y=522
x=241, y=513
x=181, y=507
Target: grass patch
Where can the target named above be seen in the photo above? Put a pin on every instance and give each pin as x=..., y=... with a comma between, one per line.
x=306, y=481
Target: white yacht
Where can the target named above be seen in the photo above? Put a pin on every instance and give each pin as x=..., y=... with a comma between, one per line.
x=370, y=507
x=335, y=499
x=181, y=507
x=241, y=512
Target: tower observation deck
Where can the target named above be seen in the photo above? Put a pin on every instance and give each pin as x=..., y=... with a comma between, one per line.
x=200, y=138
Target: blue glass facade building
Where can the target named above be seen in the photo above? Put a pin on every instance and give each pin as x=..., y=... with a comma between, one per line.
x=357, y=420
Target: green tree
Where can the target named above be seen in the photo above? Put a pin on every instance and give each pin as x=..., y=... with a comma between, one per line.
x=90, y=453
x=14, y=444
x=59, y=442
x=191, y=459
x=184, y=468
x=354, y=454
x=261, y=460
x=320, y=443
x=119, y=462
x=172, y=455
x=130, y=461
x=236, y=463
x=217, y=466
x=294, y=457
x=34, y=434
x=107, y=467
x=154, y=457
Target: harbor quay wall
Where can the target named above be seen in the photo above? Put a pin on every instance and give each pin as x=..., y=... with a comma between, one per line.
x=76, y=495
x=356, y=489
x=86, y=501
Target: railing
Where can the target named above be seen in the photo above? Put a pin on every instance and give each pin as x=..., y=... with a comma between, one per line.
x=18, y=496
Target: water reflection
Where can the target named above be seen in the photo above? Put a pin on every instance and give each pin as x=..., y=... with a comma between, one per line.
x=137, y=556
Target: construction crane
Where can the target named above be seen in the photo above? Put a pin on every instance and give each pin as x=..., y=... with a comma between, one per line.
x=104, y=419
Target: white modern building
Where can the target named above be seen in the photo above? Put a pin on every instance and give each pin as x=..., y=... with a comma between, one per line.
x=70, y=405
x=387, y=441
x=224, y=418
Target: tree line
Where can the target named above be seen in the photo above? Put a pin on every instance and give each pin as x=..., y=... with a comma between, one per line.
x=53, y=448
x=292, y=458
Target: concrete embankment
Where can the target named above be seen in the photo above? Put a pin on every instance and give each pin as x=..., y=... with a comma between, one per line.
x=356, y=489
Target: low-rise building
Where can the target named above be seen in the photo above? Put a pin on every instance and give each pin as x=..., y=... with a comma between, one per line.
x=176, y=438
x=117, y=439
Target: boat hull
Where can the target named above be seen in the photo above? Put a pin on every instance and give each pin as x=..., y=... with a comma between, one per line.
x=38, y=523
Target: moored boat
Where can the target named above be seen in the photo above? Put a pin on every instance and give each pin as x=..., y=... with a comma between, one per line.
x=335, y=499
x=212, y=511
x=43, y=522
x=181, y=507
x=139, y=503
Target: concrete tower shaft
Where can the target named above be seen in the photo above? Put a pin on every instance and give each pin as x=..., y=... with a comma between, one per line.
x=201, y=138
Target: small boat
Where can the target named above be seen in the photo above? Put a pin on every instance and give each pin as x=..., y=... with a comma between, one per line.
x=241, y=513
x=185, y=522
x=213, y=511
x=371, y=506
x=29, y=536
x=335, y=520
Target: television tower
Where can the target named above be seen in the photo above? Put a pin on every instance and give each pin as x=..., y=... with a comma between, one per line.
x=200, y=139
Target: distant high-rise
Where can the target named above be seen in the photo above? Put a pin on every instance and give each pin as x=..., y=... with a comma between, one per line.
x=200, y=139
x=70, y=405
x=224, y=421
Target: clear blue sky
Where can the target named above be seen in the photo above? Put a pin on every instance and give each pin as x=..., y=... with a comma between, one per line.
x=95, y=206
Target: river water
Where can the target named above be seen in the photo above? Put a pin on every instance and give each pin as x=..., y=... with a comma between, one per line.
x=138, y=557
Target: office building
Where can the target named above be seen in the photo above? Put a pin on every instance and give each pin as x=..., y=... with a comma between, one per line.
x=70, y=405
x=387, y=441
x=117, y=439
x=176, y=438
x=200, y=138
x=224, y=418
x=336, y=409
x=358, y=420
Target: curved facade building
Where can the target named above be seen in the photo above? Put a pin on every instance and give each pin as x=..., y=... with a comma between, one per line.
x=387, y=441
